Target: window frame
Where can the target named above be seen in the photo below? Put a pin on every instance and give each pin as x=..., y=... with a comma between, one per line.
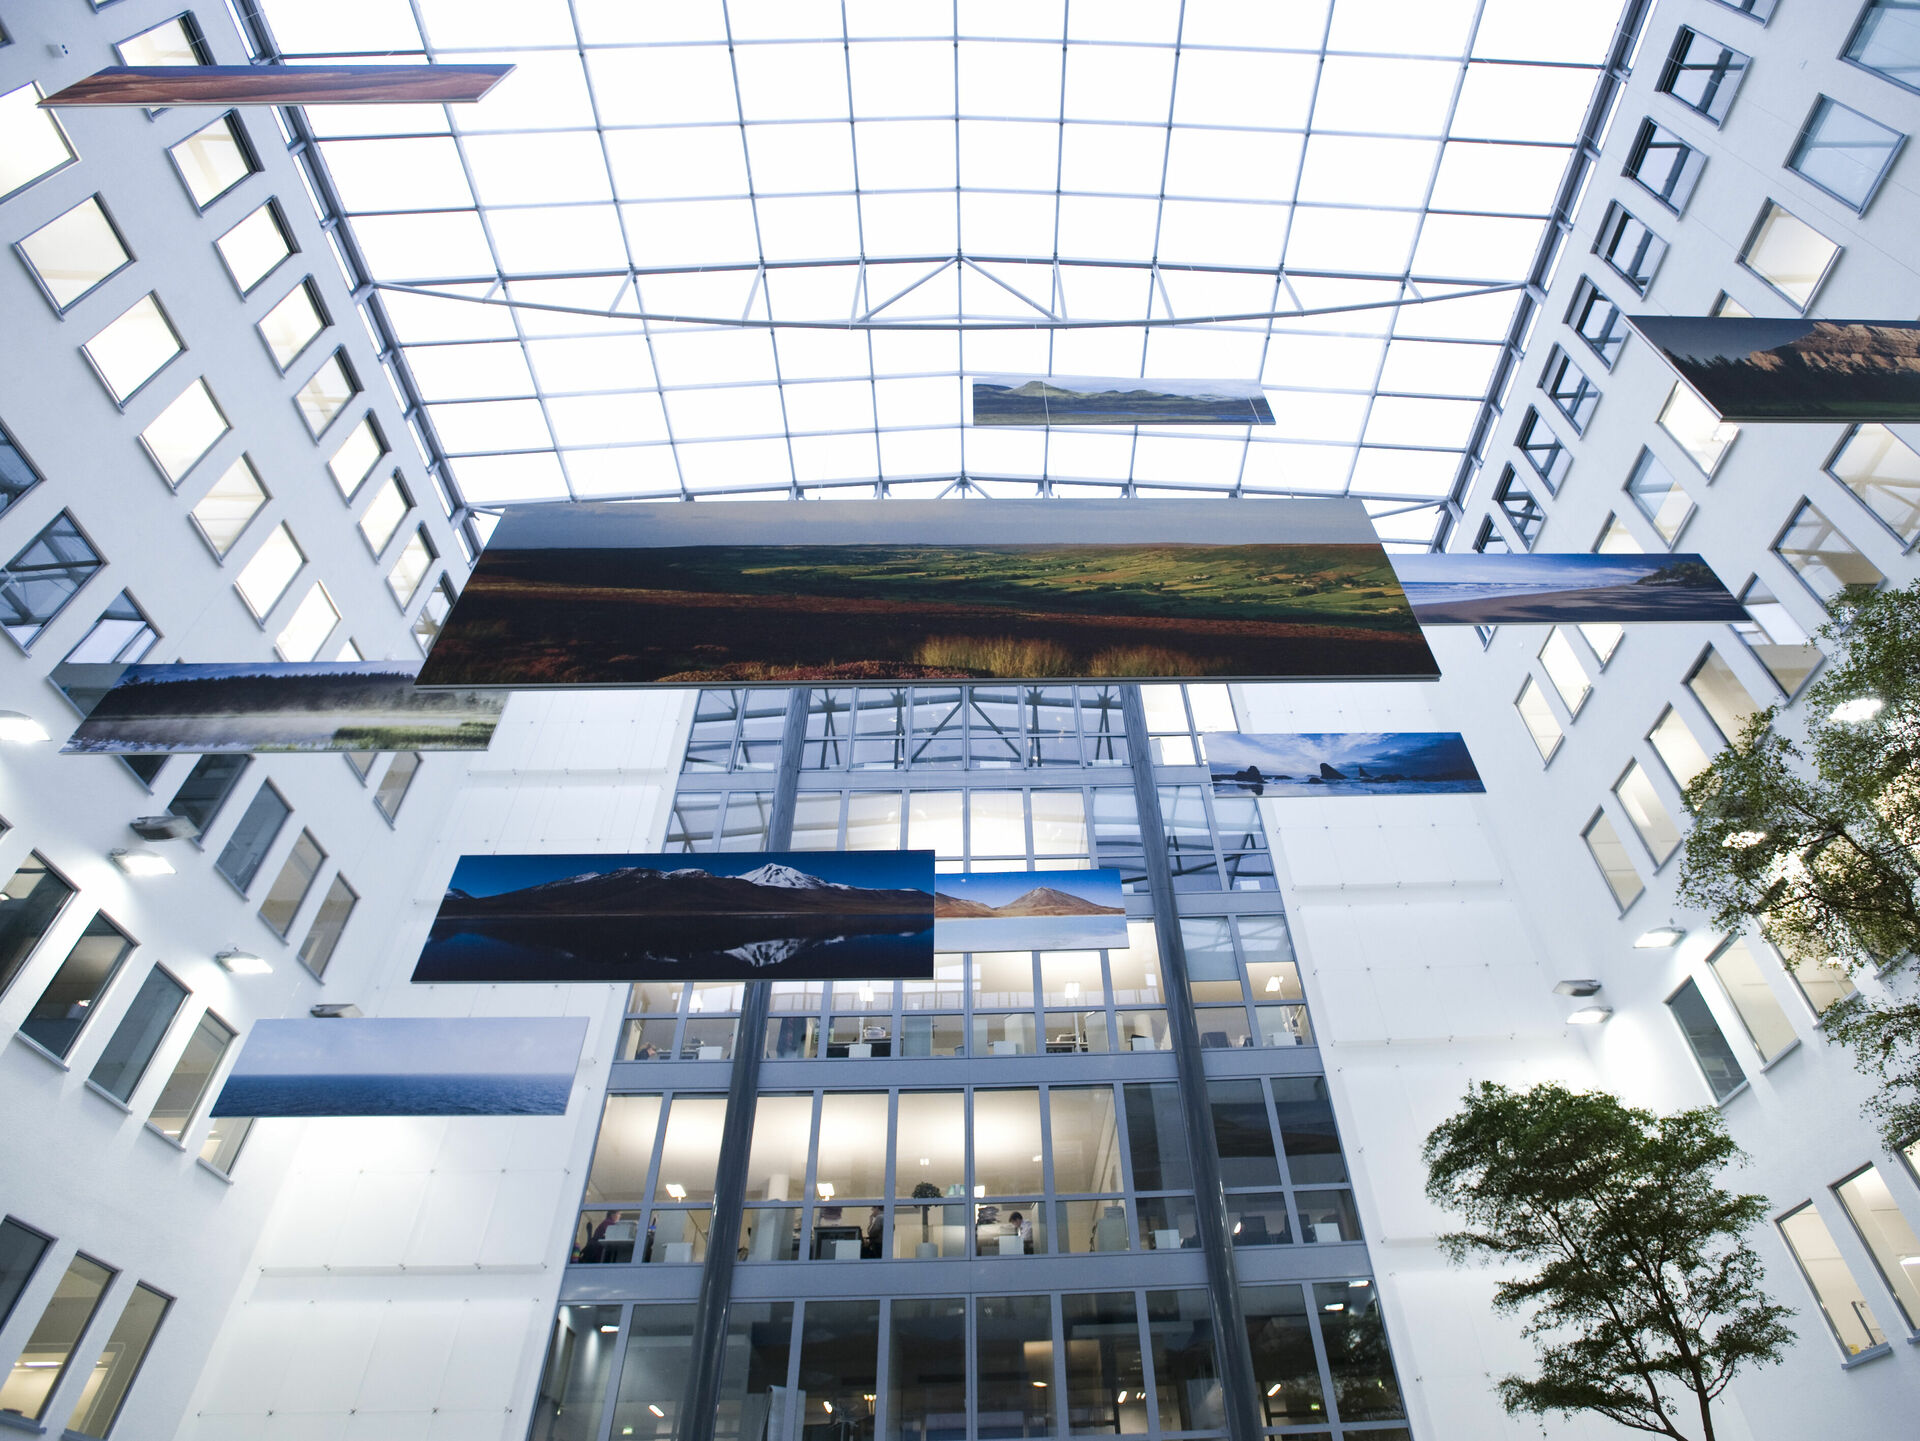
x=66, y=140
x=1599, y=818
x=1740, y=1087
x=1611, y=236
x=47, y=624
x=266, y=497
x=1671, y=68
x=8, y=500
x=1822, y=105
x=1847, y=437
x=1587, y=299
x=1578, y=408
x=318, y=303
x=194, y=1113
x=1847, y=56
x=1686, y=172
x=121, y=402
x=1558, y=465
x=337, y=356
x=1802, y=507
x=248, y=152
x=20, y=249
x=266, y=850
x=278, y=218
x=1743, y=260
x=46, y=1244
x=1642, y=465
x=172, y=482
x=159, y=1043
x=1851, y=1358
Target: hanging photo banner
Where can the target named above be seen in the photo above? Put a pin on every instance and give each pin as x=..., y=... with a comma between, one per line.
x=155, y=85
x=1465, y=588
x=1116, y=400
x=725, y=916
x=1403, y=763
x=368, y=705
x=406, y=1066
x=1029, y=911
x=851, y=592
x=1754, y=371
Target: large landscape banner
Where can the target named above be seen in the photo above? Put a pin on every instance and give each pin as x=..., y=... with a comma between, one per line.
x=778, y=593
x=1466, y=588
x=1752, y=371
x=760, y=916
x=1399, y=763
x=129, y=85
x=1029, y=911
x=1116, y=400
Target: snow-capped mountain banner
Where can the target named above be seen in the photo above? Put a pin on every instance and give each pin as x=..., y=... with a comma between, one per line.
x=1029, y=911
x=742, y=916
x=1116, y=400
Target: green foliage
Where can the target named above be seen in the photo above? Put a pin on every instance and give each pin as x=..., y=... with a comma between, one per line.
x=1818, y=841
x=1645, y=1291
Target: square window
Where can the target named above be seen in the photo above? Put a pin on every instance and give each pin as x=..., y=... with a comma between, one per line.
x=1542, y=724
x=1666, y=166
x=1883, y=473
x=1598, y=321
x=1695, y=428
x=74, y=253
x=214, y=160
x=1822, y=556
x=121, y=636
x=32, y=144
x=184, y=432
x=412, y=567
x=291, y=325
x=327, y=393
x=358, y=454
x=266, y=577
x=224, y=511
x=307, y=629
x=1616, y=539
x=1728, y=703
x=1519, y=506
x=1630, y=249
x=39, y=582
x=1647, y=812
x=1544, y=450
x=1702, y=74
x=383, y=517
x=1609, y=853
x=1562, y=664
x=1886, y=40
x=1659, y=497
x=1789, y=254
x=1573, y=395
x=133, y=348
x=1776, y=639
x=17, y=476
x=255, y=246
x=1844, y=153
x=171, y=42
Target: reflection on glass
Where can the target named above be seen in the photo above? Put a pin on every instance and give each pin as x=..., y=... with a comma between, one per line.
x=1738, y=972
x=1186, y=1373
x=927, y=1370
x=1845, y=1307
x=1106, y=1377
x=753, y=1404
x=572, y=1398
x=653, y=1374
x=628, y=1126
x=43, y=1362
x=1888, y=1236
x=1364, y=1388
x=1280, y=1336
x=839, y=1369
x=1094, y=1226
x=106, y=1389
x=1013, y=1365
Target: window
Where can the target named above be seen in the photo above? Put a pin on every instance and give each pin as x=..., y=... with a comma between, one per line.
x=57, y=1018
x=1883, y=473
x=30, y=902
x=1616, y=539
x=1703, y=1036
x=179, y=1100
x=1726, y=305
x=265, y=578
x=1630, y=250
x=37, y=1374
x=1610, y=854
x=1664, y=165
x=309, y=626
x=1702, y=74
x=1679, y=750
x=1721, y=695
x=1563, y=668
x=225, y=1137
x=1821, y=556
x=17, y=477
x=184, y=432
x=1516, y=500
x=1604, y=636
x=1543, y=450
x=207, y=787
x=74, y=253
x=1789, y=254
x=120, y=1360
x=328, y=922
x=1844, y=153
x=129, y=1050
x=32, y=144
x=1659, y=497
x=291, y=325
x=327, y=393
x=133, y=347
x=251, y=840
x=21, y=1248
x=1542, y=724
x=1738, y=972
x=412, y=567
x=1888, y=1237
x=1848, y=1316
x=1491, y=540
x=290, y=887
x=1598, y=321
x=41, y=579
x=433, y=613
x=224, y=512
x=172, y=42
x=255, y=246
x=395, y=784
x=358, y=454
x=1696, y=429
x=214, y=160
x=1651, y=820
x=382, y=518
x=1886, y=41
x=1573, y=395
x=121, y=636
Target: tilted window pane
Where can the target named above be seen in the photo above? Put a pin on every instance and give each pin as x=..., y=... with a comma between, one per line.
x=839, y=1369
x=1888, y=1236
x=225, y=1139
x=74, y=252
x=1790, y=255
x=1598, y=321
x=571, y=1402
x=1886, y=41
x=254, y=247
x=753, y=1379
x=42, y=1365
x=326, y=395
x=1543, y=450
x=1280, y=1337
x=64, y=1008
x=1821, y=556
x=628, y=1126
x=415, y=561
x=291, y=325
x=328, y=922
x=253, y=837
x=172, y=42
x=1848, y=1315
x=394, y=785
x=1616, y=539
x=433, y=614
x=186, y=430
x=1186, y=1369
x=309, y=626
x=1521, y=509
x=1844, y=153
x=1013, y=1367
x=193, y=1073
x=1539, y=718
x=1729, y=703
x=1703, y=74
x=1659, y=497
x=123, y=634
x=17, y=477
x=1604, y=636
x=1697, y=430
x=31, y=143
x=1358, y=1357
x=213, y=161
x=42, y=578
x=224, y=511
x=1564, y=669
x=207, y=787
x=1738, y=972
x=1610, y=854
x=290, y=887
x=265, y=578
x=1648, y=813
x=383, y=516
x=1665, y=165
x=133, y=347
x=1242, y=1133
x=1820, y=982
x=692, y=1150
x=20, y=1253
x=30, y=902
x=1157, y=1137
x=1679, y=749
x=129, y=1050
x=1884, y=473
x=1706, y=1040
x=654, y=1372
x=106, y=1389
x=1629, y=248
x=1573, y=395
x=1308, y=1134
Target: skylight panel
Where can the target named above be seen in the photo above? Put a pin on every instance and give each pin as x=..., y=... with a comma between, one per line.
x=921, y=401
x=1194, y=459
x=835, y=457
x=345, y=121
x=510, y=479
x=1007, y=352
x=1214, y=354
x=449, y=245
x=1121, y=159
x=1431, y=367
x=782, y=19
x=677, y=164
x=630, y=418
x=1099, y=228
x=905, y=154
x=1007, y=224
x=421, y=174
x=1278, y=465
x=469, y=24
x=618, y=22
x=1510, y=179
x=735, y=464
x=915, y=352
x=691, y=232
x=1090, y=457
x=901, y=77
x=810, y=293
x=900, y=17
x=1528, y=30
x=1370, y=95
x=1303, y=415
x=800, y=159
x=1405, y=420
x=596, y=295
x=1472, y=317
x=622, y=471
x=1349, y=241
x=373, y=26
x=813, y=354
x=707, y=357
x=558, y=238
x=1245, y=164
x=1365, y=170
x=1042, y=18
x=426, y=318
x=1403, y=27
x=679, y=85
x=824, y=227
x=546, y=91
x=1009, y=154
x=713, y=292
x=1006, y=452
x=725, y=411
x=829, y=406
x=479, y=426
x=1235, y=87
x=550, y=168
x=902, y=224
x=1322, y=362
x=1001, y=78
x=586, y=363
x=1476, y=247
x=919, y=452
x=470, y=372
x=1520, y=102
x=792, y=82
x=1404, y=472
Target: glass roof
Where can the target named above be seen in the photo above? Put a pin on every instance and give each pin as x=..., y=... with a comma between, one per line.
x=732, y=248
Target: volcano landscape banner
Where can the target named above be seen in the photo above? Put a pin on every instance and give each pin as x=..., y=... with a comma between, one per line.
x=1116, y=400
x=1405, y=763
x=745, y=916
x=1753, y=371
x=1029, y=911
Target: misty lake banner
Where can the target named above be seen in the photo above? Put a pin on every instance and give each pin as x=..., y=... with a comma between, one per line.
x=779, y=593
x=1116, y=400
x=1465, y=588
x=1753, y=371
x=714, y=916
x=1029, y=911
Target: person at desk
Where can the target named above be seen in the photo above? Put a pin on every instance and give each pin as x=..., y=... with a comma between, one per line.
x=1023, y=1228
x=873, y=1239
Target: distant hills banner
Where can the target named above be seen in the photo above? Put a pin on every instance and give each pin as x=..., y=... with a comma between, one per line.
x=1465, y=588
x=1397, y=763
x=851, y=592
x=280, y=85
x=1116, y=400
x=1029, y=911
x=1755, y=371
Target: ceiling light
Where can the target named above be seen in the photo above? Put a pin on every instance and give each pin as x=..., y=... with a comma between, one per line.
x=244, y=963
x=926, y=1160
x=866, y=995
x=1273, y=983
x=609, y=1330
x=1040, y=1385
x=678, y=1192
x=1659, y=938
x=1358, y=1285
x=829, y=1406
x=656, y=1411
x=1589, y=1015
x=1586, y=986
x=1036, y=1160
x=141, y=862
x=1121, y=1399
x=1072, y=989
x=15, y=726
x=825, y=1188
x=979, y=1191
x=1274, y=1389
x=1236, y=1228
x=1334, y=1306
x=1864, y=708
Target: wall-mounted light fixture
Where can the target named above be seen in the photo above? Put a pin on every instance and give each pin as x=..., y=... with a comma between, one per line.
x=141, y=862
x=20, y=728
x=1659, y=938
x=243, y=963
x=1590, y=1015
x=164, y=828
x=1583, y=987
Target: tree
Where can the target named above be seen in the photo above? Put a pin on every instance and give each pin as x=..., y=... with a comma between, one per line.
x=1645, y=1292
x=1819, y=842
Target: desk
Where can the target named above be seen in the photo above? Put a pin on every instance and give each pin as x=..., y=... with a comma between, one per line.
x=825, y=1236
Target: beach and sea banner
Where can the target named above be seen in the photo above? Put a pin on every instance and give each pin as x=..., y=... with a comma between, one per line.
x=1116, y=400
x=405, y=1066
x=1466, y=588
x=1029, y=911
x=1754, y=372
x=1394, y=763
x=158, y=85
x=368, y=705
x=715, y=916
x=847, y=592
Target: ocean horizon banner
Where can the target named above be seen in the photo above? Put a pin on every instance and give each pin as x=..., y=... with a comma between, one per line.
x=1029, y=911
x=1465, y=588
x=712, y=916
x=1402, y=763
x=1755, y=372
x=1116, y=400
x=157, y=85
x=274, y=706
x=780, y=593
x=405, y=1066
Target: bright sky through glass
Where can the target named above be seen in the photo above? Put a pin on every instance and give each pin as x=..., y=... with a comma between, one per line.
x=862, y=164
